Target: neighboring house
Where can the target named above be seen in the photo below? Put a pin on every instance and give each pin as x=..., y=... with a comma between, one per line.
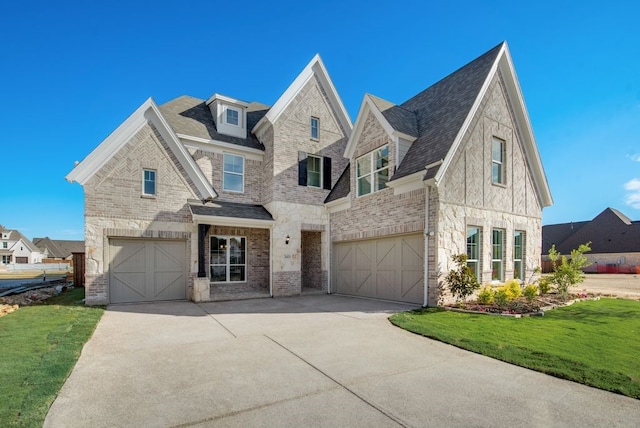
x=58, y=249
x=16, y=248
x=196, y=196
x=615, y=242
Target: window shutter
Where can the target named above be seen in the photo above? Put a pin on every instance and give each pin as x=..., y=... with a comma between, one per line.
x=326, y=173
x=302, y=168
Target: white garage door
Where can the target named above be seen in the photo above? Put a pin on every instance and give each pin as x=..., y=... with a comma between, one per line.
x=387, y=268
x=147, y=270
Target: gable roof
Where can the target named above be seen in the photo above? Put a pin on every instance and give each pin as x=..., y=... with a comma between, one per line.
x=342, y=186
x=316, y=68
x=443, y=113
x=191, y=116
x=15, y=235
x=609, y=232
x=147, y=112
x=59, y=248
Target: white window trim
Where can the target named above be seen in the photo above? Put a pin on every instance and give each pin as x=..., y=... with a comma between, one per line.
x=320, y=158
x=479, y=250
x=228, y=260
x=239, y=113
x=317, y=120
x=155, y=183
x=233, y=173
x=493, y=259
x=501, y=163
x=523, y=236
x=372, y=172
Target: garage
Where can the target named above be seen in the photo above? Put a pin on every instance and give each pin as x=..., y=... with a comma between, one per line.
x=147, y=270
x=385, y=268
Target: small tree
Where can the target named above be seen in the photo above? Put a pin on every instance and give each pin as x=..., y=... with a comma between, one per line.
x=461, y=281
x=568, y=271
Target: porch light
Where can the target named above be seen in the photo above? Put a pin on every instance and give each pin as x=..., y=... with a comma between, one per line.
x=286, y=240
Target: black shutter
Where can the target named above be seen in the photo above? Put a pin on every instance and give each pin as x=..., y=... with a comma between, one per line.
x=326, y=173
x=302, y=168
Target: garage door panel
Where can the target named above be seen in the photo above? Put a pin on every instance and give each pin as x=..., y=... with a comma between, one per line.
x=385, y=268
x=147, y=270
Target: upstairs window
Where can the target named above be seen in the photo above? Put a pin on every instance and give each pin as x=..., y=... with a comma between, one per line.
x=232, y=116
x=149, y=182
x=233, y=173
x=315, y=128
x=497, y=161
x=372, y=171
x=473, y=250
x=314, y=171
x=4, y=245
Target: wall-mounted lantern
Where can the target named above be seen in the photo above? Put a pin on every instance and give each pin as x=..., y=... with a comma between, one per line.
x=286, y=240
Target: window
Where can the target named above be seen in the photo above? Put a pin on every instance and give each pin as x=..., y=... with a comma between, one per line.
x=149, y=182
x=497, y=161
x=228, y=259
x=232, y=116
x=315, y=128
x=473, y=250
x=314, y=171
x=233, y=173
x=6, y=260
x=4, y=245
x=372, y=171
x=518, y=251
x=497, y=243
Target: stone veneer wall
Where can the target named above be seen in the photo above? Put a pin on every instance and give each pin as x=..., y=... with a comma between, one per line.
x=115, y=207
x=467, y=197
x=257, y=254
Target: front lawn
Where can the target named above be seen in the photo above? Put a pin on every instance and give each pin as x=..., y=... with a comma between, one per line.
x=596, y=343
x=40, y=345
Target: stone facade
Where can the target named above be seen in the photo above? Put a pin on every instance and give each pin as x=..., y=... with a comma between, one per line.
x=468, y=197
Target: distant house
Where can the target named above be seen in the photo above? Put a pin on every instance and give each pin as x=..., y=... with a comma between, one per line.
x=615, y=241
x=16, y=248
x=57, y=249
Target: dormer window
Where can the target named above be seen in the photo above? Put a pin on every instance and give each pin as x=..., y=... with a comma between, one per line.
x=232, y=116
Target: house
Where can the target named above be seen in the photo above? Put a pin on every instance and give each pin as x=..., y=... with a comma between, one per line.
x=201, y=198
x=16, y=248
x=615, y=241
x=58, y=249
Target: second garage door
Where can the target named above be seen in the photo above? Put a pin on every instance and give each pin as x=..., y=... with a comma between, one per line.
x=146, y=270
x=387, y=268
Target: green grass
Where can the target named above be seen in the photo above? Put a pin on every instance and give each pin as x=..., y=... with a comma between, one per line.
x=39, y=346
x=596, y=343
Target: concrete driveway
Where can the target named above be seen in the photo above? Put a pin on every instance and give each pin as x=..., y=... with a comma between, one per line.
x=305, y=361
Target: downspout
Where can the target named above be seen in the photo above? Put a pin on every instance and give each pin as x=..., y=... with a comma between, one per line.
x=427, y=234
x=329, y=255
x=271, y=261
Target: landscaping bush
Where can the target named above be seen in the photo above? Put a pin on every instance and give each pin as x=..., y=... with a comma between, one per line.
x=568, y=271
x=461, y=281
x=530, y=292
x=501, y=297
x=544, y=285
x=485, y=296
x=513, y=289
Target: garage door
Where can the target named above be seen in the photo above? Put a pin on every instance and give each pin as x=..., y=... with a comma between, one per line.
x=146, y=270
x=388, y=268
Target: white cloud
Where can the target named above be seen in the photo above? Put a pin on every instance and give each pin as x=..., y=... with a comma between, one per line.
x=633, y=193
x=634, y=157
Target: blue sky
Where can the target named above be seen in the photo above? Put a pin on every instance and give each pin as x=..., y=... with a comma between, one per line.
x=71, y=72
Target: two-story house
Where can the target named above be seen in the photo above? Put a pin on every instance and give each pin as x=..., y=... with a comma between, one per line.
x=207, y=199
x=16, y=248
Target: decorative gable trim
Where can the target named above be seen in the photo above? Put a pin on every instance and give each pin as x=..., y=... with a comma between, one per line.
x=147, y=112
x=338, y=205
x=314, y=68
x=504, y=64
x=407, y=183
x=368, y=105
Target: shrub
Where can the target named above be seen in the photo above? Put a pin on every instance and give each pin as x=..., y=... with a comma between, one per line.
x=500, y=297
x=530, y=292
x=544, y=285
x=513, y=289
x=568, y=271
x=485, y=296
x=461, y=281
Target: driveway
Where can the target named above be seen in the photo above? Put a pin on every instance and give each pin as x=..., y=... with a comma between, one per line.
x=314, y=360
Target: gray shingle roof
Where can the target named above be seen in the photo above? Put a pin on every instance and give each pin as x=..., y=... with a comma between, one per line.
x=400, y=119
x=609, y=232
x=191, y=116
x=59, y=248
x=231, y=209
x=441, y=110
x=342, y=186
